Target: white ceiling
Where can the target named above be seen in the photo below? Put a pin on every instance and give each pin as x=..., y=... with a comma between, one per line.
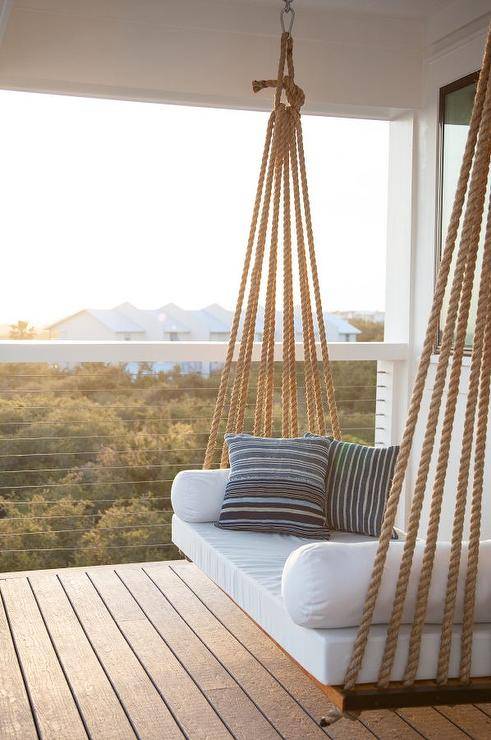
x=359, y=57
x=395, y=8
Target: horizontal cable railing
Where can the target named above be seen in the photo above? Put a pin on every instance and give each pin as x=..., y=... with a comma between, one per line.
x=88, y=451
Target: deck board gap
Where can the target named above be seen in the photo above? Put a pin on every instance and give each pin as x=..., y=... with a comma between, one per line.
x=486, y=713
x=275, y=678
x=343, y=730
x=174, y=653
x=410, y=724
x=176, y=719
x=116, y=692
x=432, y=709
x=21, y=667
x=55, y=650
x=329, y=732
x=212, y=653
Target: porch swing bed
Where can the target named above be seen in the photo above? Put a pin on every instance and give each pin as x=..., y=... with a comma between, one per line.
x=252, y=567
x=377, y=621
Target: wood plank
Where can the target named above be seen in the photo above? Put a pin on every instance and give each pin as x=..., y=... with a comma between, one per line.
x=16, y=721
x=76, y=569
x=147, y=712
x=230, y=701
x=295, y=681
x=470, y=719
x=388, y=724
x=196, y=716
x=286, y=715
x=54, y=707
x=97, y=702
x=431, y=723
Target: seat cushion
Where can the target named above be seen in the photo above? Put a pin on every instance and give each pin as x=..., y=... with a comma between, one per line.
x=357, y=485
x=324, y=584
x=197, y=495
x=276, y=485
x=248, y=567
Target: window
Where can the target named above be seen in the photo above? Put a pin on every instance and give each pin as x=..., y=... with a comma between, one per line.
x=456, y=101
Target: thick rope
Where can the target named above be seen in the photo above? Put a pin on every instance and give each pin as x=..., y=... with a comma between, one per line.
x=326, y=364
x=461, y=290
x=442, y=466
x=475, y=519
x=282, y=168
x=289, y=377
x=239, y=391
x=224, y=380
x=419, y=385
x=476, y=372
x=262, y=420
x=315, y=412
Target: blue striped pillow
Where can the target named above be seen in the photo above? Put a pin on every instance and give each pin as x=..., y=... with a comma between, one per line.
x=276, y=485
x=357, y=485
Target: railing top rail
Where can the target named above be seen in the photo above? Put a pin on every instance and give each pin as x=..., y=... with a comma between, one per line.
x=59, y=350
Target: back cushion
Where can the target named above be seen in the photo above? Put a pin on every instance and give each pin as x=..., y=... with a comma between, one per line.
x=357, y=485
x=276, y=485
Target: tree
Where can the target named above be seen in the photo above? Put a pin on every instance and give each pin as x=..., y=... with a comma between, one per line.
x=128, y=532
x=371, y=331
x=89, y=454
x=21, y=330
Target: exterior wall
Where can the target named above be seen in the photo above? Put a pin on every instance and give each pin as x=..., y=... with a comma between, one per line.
x=174, y=336
x=455, y=45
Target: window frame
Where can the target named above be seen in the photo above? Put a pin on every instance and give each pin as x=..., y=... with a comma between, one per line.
x=439, y=236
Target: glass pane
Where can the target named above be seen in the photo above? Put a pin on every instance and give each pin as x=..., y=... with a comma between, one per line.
x=456, y=114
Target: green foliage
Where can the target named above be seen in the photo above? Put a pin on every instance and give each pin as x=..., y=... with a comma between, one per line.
x=371, y=331
x=88, y=454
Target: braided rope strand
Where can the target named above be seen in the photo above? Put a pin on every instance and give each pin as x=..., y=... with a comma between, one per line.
x=420, y=381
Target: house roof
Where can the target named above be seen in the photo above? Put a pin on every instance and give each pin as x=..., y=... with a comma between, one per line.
x=343, y=326
x=331, y=321
x=109, y=317
x=115, y=321
x=127, y=319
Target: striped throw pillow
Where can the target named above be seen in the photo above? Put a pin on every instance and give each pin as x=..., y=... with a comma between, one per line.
x=357, y=485
x=276, y=485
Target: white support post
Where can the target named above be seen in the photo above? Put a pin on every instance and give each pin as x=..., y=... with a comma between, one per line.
x=389, y=411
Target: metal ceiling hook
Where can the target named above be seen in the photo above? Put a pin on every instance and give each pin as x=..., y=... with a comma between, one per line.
x=287, y=10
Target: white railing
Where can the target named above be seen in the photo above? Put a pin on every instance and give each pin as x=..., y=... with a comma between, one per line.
x=390, y=357
x=44, y=467
x=60, y=350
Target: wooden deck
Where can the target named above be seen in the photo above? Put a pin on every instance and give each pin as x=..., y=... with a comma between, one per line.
x=158, y=651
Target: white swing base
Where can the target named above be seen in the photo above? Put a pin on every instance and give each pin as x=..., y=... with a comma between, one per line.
x=248, y=567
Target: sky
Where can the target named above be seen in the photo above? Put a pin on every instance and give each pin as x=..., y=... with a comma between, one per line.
x=107, y=201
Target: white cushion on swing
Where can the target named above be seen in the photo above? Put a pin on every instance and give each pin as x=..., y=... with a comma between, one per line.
x=249, y=566
x=197, y=495
x=324, y=583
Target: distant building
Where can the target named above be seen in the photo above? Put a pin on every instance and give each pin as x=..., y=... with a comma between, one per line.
x=172, y=323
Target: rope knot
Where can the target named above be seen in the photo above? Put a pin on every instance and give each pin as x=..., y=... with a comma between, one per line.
x=294, y=94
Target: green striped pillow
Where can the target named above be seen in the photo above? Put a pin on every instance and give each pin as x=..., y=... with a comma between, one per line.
x=358, y=482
